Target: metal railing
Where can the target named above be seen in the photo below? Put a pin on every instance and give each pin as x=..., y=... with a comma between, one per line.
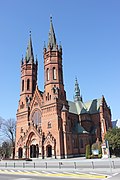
x=61, y=164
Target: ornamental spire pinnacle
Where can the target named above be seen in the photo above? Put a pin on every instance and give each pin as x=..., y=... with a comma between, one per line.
x=51, y=38
x=77, y=96
x=29, y=52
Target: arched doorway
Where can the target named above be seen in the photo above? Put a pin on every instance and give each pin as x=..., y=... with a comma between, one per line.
x=20, y=152
x=34, y=151
x=49, y=151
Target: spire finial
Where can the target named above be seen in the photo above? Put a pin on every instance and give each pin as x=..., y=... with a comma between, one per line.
x=50, y=18
x=30, y=33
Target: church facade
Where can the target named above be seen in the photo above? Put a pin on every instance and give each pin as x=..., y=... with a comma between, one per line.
x=49, y=125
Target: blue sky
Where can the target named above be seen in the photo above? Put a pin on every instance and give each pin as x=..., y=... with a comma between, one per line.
x=89, y=31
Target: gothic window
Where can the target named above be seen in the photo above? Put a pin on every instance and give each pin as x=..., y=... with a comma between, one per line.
x=47, y=74
x=49, y=124
x=48, y=96
x=21, y=130
x=22, y=85
x=28, y=84
x=36, y=117
x=54, y=73
x=22, y=106
x=75, y=143
x=102, y=126
x=81, y=143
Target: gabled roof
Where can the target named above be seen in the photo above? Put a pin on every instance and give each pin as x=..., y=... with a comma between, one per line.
x=77, y=107
x=93, y=106
x=72, y=107
x=81, y=109
x=90, y=107
x=38, y=97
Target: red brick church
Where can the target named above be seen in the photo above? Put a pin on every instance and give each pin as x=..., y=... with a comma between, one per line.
x=48, y=124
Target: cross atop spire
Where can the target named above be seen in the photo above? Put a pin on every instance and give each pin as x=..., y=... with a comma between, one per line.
x=77, y=96
x=29, y=52
x=51, y=38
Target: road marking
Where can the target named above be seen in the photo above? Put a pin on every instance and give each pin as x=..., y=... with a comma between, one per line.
x=26, y=171
x=23, y=179
x=19, y=171
x=12, y=171
x=112, y=175
x=56, y=174
x=36, y=172
x=115, y=174
x=5, y=170
x=46, y=172
x=99, y=174
x=68, y=172
x=79, y=173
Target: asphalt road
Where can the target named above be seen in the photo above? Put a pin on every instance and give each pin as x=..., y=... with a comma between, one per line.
x=28, y=177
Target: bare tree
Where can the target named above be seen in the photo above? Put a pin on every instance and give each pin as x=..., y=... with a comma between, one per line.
x=8, y=130
x=1, y=133
x=1, y=120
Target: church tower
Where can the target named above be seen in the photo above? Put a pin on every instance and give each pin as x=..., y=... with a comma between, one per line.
x=53, y=71
x=54, y=95
x=28, y=72
x=28, y=85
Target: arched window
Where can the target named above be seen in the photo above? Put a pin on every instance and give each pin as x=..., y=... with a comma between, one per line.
x=54, y=73
x=81, y=143
x=22, y=85
x=49, y=124
x=47, y=74
x=48, y=96
x=28, y=84
x=36, y=117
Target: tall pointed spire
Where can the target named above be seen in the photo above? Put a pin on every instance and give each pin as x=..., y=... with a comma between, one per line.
x=77, y=96
x=52, y=39
x=29, y=52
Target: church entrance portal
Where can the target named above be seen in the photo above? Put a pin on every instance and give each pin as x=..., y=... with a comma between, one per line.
x=49, y=151
x=34, y=151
